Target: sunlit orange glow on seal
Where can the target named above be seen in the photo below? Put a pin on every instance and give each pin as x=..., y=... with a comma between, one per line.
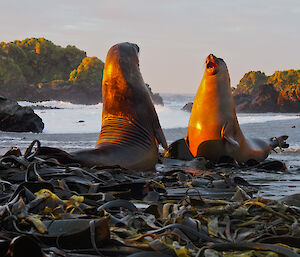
x=209, y=112
x=109, y=69
x=213, y=130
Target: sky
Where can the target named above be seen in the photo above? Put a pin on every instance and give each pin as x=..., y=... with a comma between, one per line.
x=174, y=36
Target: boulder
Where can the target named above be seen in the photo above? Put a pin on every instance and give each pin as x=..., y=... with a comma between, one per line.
x=15, y=118
x=156, y=98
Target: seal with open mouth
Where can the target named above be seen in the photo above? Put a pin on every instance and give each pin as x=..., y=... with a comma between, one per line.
x=213, y=130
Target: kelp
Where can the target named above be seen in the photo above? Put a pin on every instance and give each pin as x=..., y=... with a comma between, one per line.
x=180, y=209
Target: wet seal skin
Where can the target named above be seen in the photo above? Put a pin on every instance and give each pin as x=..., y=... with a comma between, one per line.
x=213, y=130
x=130, y=131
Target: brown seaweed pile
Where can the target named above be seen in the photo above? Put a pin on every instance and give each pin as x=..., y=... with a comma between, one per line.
x=181, y=209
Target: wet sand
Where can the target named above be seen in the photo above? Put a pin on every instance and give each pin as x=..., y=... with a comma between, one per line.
x=272, y=184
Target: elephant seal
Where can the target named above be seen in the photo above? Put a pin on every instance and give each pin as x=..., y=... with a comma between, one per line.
x=213, y=130
x=130, y=131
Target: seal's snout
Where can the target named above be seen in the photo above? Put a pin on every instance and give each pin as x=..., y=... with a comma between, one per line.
x=137, y=48
x=211, y=64
x=211, y=57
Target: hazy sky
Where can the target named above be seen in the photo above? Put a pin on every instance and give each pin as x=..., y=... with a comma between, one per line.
x=174, y=36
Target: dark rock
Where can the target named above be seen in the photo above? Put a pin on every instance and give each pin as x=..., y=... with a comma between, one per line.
x=156, y=98
x=15, y=118
x=267, y=99
x=188, y=107
x=64, y=91
x=241, y=102
x=293, y=200
x=24, y=246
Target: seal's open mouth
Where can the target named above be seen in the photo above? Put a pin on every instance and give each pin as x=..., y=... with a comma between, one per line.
x=211, y=65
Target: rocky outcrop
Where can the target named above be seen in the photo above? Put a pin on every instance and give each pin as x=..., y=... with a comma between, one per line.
x=267, y=99
x=156, y=98
x=15, y=118
x=257, y=92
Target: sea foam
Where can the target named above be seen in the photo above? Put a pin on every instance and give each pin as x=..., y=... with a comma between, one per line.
x=76, y=118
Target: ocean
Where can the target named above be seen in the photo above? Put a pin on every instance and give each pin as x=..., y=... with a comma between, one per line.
x=74, y=127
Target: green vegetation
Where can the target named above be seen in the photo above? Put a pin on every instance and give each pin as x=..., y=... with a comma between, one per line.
x=278, y=92
x=10, y=73
x=88, y=73
x=36, y=68
x=42, y=61
x=287, y=82
x=250, y=82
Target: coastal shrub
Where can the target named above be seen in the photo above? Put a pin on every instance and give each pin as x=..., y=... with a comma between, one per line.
x=18, y=55
x=285, y=80
x=10, y=73
x=250, y=82
x=89, y=73
x=42, y=61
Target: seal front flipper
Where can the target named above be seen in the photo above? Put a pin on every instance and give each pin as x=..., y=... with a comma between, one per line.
x=226, y=135
x=179, y=150
x=160, y=137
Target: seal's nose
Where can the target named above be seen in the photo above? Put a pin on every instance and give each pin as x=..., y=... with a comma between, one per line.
x=211, y=57
x=137, y=48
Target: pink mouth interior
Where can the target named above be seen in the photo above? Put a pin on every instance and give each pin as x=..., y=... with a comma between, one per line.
x=212, y=65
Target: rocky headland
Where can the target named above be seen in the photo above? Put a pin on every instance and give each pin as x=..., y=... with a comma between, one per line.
x=279, y=92
x=35, y=69
x=258, y=93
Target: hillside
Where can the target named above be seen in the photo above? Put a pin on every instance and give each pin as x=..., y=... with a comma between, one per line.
x=35, y=69
x=258, y=92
